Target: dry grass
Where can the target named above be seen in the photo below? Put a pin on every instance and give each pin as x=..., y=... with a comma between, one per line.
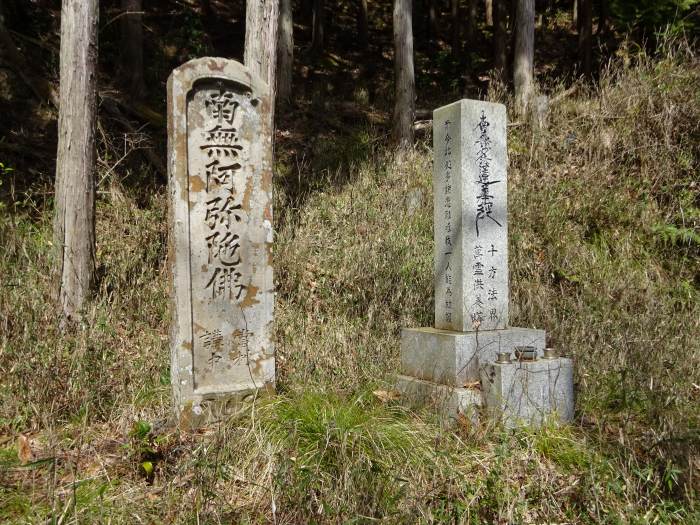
x=604, y=255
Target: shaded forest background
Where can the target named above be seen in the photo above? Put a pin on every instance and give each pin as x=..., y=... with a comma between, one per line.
x=339, y=81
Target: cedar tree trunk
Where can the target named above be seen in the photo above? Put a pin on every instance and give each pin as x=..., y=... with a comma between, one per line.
x=132, y=48
x=74, y=211
x=318, y=27
x=260, y=56
x=500, y=40
x=585, y=36
x=488, y=11
x=362, y=24
x=405, y=101
x=285, y=52
x=523, y=59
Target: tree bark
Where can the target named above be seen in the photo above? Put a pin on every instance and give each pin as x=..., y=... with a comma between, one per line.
x=207, y=11
x=602, y=17
x=405, y=102
x=456, y=26
x=132, y=48
x=523, y=60
x=488, y=11
x=318, y=27
x=470, y=28
x=74, y=211
x=260, y=56
x=585, y=36
x=362, y=24
x=574, y=14
x=285, y=52
x=432, y=20
x=500, y=40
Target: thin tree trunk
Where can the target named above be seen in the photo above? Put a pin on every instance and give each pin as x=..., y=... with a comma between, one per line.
x=207, y=11
x=602, y=17
x=362, y=24
x=585, y=36
x=319, y=26
x=488, y=11
x=132, y=48
x=500, y=40
x=260, y=56
x=74, y=211
x=523, y=60
x=456, y=26
x=432, y=20
x=470, y=28
x=285, y=52
x=574, y=14
x=405, y=103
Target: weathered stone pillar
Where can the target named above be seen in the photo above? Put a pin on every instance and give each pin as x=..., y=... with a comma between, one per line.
x=220, y=245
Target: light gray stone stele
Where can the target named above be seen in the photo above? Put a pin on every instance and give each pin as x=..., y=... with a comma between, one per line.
x=220, y=178
x=471, y=216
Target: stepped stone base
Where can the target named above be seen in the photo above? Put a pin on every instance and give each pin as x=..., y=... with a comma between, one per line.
x=452, y=358
x=456, y=373
x=214, y=407
x=446, y=400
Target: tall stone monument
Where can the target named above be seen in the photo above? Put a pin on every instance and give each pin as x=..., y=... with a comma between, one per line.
x=445, y=363
x=220, y=247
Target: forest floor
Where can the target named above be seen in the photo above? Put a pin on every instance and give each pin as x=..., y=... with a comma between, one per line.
x=604, y=254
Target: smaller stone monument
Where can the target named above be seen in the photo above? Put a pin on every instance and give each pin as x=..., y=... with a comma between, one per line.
x=220, y=245
x=445, y=364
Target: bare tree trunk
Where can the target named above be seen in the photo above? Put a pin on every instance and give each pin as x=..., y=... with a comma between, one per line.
x=405, y=103
x=500, y=43
x=362, y=24
x=456, y=26
x=574, y=14
x=471, y=23
x=132, y=48
x=488, y=10
x=585, y=36
x=602, y=17
x=285, y=52
x=523, y=60
x=318, y=27
x=432, y=20
x=260, y=56
x=74, y=211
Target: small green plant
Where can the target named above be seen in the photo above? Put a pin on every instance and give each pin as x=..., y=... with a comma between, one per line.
x=143, y=448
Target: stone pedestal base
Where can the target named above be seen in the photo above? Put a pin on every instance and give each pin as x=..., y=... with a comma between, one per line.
x=443, y=369
x=452, y=358
x=529, y=392
x=207, y=409
x=445, y=400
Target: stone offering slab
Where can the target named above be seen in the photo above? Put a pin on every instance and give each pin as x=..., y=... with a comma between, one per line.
x=529, y=393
